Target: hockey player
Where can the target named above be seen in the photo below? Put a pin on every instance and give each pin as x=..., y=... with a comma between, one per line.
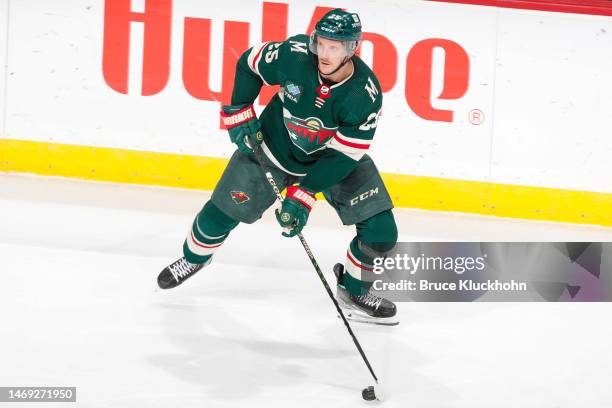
x=314, y=135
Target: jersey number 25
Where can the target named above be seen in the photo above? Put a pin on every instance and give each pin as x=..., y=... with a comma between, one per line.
x=272, y=53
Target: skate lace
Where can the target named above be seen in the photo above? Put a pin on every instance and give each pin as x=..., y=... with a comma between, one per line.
x=181, y=269
x=370, y=300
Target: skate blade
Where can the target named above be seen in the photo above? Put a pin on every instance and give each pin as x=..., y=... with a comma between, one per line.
x=371, y=320
x=355, y=316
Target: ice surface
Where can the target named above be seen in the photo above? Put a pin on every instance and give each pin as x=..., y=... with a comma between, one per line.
x=79, y=307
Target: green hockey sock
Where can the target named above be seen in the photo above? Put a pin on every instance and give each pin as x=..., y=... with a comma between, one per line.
x=375, y=236
x=358, y=275
x=208, y=232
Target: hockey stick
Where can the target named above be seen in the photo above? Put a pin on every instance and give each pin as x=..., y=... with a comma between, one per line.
x=279, y=197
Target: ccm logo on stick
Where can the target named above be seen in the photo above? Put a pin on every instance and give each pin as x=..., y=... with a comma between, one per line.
x=363, y=196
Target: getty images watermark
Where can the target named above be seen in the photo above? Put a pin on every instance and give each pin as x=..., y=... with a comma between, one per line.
x=455, y=264
x=498, y=271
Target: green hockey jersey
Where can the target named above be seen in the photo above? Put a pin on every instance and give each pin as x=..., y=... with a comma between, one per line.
x=311, y=129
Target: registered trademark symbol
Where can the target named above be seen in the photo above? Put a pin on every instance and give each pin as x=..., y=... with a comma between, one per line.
x=476, y=116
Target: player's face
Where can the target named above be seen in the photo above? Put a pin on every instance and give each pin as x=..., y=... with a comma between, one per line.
x=331, y=53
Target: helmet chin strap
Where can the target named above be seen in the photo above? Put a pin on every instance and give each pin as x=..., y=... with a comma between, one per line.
x=346, y=59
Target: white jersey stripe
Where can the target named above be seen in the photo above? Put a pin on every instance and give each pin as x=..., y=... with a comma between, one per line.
x=270, y=156
x=254, y=58
x=352, y=152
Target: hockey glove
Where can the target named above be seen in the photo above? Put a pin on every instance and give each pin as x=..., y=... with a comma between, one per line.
x=243, y=126
x=293, y=214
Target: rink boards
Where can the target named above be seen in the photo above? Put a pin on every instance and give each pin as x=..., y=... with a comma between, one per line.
x=487, y=110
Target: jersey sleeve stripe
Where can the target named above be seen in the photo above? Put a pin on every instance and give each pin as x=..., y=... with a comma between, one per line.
x=254, y=63
x=351, y=142
x=354, y=153
x=253, y=59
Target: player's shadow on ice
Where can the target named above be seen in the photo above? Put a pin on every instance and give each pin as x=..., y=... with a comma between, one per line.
x=231, y=361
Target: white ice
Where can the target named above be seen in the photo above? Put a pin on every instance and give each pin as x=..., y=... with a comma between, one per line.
x=79, y=306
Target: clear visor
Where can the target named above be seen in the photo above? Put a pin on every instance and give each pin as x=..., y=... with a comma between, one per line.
x=326, y=47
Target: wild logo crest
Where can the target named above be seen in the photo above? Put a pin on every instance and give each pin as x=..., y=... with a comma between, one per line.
x=239, y=197
x=308, y=134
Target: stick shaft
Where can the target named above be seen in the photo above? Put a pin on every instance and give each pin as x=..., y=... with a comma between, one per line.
x=279, y=197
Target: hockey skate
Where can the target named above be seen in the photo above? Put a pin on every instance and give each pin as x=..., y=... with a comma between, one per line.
x=178, y=272
x=366, y=308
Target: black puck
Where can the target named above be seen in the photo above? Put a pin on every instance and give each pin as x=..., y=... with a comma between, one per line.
x=368, y=393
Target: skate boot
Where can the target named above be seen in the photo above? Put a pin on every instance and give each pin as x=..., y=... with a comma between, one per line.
x=366, y=308
x=178, y=272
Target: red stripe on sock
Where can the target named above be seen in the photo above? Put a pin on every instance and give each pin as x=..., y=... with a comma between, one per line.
x=193, y=239
x=357, y=264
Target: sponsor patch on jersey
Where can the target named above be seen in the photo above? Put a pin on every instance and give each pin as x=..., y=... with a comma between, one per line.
x=308, y=134
x=293, y=91
x=239, y=197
